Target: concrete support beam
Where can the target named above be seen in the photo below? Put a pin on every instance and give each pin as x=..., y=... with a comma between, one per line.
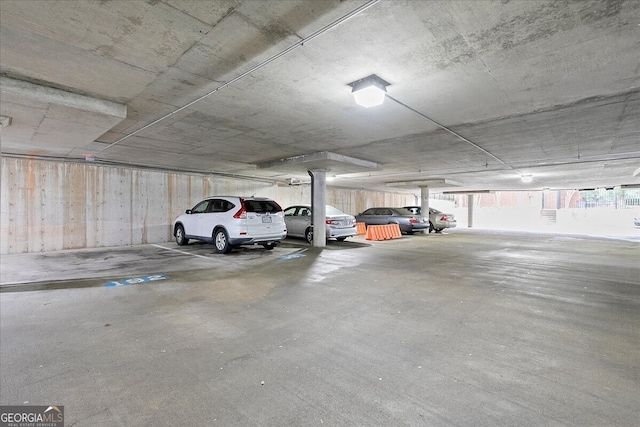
x=319, y=203
x=424, y=202
x=53, y=96
x=53, y=122
x=338, y=163
x=470, y=201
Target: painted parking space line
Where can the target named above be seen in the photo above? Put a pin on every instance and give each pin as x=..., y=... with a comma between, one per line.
x=181, y=252
x=135, y=280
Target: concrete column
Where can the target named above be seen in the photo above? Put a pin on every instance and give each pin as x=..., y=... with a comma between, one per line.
x=470, y=202
x=424, y=203
x=319, y=192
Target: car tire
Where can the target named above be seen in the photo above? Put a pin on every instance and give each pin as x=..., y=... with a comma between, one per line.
x=181, y=240
x=221, y=241
x=431, y=227
x=308, y=235
x=269, y=246
x=340, y=239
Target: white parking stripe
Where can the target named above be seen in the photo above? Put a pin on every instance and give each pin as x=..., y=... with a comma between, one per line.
x=182, y=252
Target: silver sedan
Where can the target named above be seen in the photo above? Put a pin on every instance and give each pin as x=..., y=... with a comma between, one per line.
x=438, y=220
x=339, y=225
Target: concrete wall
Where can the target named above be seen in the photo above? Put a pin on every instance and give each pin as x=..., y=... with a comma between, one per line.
x=49, y=206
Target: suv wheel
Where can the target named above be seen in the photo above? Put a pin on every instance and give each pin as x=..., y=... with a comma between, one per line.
x=221, y=241
x=180, y=239
x=308, y=234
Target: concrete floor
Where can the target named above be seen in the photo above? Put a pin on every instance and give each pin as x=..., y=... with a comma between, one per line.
x=464, y=328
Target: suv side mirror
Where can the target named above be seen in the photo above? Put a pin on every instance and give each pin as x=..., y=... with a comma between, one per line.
x=188, y=211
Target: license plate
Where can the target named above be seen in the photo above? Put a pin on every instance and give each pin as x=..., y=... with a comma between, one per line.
x=266, y=219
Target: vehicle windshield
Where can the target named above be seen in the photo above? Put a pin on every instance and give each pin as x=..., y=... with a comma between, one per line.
x=333, y=211
x=403, y=211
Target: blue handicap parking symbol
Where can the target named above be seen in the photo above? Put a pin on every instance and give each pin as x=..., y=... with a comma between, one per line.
x=135, y=280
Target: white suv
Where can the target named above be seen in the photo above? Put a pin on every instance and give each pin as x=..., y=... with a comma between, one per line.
x=232, y=221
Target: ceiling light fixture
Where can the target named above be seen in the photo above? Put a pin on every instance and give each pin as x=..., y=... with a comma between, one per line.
x=526, y=178
x=369, y=91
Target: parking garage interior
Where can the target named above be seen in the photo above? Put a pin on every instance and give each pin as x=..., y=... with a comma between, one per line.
x=116, y=117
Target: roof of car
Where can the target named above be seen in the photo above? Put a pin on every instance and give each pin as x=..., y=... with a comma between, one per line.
x=238, y=197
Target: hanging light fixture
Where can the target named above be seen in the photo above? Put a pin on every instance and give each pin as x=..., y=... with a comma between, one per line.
x=526, y=178
x=369, y=91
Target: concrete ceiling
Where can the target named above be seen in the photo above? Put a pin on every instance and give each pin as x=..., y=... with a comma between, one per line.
x=547, y=88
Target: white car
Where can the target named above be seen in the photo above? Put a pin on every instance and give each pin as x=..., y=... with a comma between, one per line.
x=339, y=225
x=227, y=222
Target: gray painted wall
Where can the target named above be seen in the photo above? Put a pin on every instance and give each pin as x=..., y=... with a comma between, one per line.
x=50, y=206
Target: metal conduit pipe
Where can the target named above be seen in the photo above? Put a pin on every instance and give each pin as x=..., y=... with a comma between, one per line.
x=450, y=131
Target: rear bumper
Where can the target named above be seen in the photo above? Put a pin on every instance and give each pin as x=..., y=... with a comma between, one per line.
x=445, y=224
x=341, y=232
x=237, y=241
x=408, y=228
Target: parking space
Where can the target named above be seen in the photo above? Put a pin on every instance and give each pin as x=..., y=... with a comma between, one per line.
x=93, y=267
x=97, y=266
x=494, y=327
x=87, y=267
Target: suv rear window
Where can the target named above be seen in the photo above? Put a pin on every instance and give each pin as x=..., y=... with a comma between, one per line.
x=261, y=206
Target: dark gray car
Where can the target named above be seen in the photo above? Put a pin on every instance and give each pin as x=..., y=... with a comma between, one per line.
x=408, y=222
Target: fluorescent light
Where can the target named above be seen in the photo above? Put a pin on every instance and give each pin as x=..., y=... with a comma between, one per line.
x=526, y=178
x=369, y=96
x=369, y=91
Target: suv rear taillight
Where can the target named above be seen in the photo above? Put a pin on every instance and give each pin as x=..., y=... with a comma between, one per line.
x=242, y=213
x=413, y=220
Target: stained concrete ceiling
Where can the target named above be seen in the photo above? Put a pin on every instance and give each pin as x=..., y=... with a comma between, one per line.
x=481, y=91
